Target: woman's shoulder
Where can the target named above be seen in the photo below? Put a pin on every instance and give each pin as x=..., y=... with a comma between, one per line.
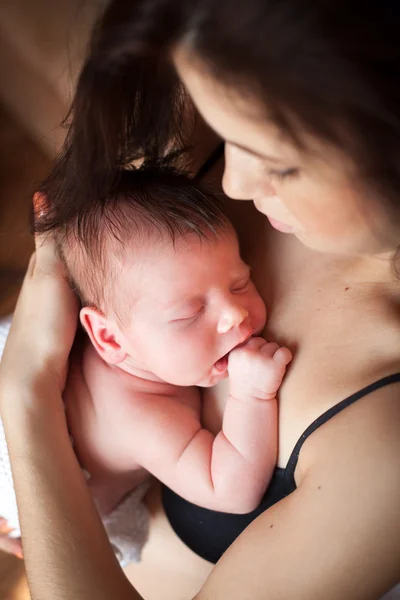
x=359, y=438
x=338, y=533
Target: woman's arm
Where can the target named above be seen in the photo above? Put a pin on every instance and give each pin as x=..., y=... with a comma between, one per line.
x=67, y=553
x=338, y=535
x=66, y=550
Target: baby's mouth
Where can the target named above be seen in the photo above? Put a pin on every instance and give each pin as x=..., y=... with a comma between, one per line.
x=222, y=364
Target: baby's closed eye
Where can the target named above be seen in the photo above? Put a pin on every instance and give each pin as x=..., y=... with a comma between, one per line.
x=241, y=286
x=190, y=318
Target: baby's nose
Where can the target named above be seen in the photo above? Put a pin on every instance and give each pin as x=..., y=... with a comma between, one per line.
x=232, y=318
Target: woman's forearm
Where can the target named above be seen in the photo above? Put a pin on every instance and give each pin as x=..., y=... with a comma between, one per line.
x=67, y=552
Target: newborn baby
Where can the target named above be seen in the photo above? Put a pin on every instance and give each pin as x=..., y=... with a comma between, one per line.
x=169, y=307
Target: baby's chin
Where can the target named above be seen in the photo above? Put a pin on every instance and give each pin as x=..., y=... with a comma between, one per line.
x=212, y=379
x=217, y=373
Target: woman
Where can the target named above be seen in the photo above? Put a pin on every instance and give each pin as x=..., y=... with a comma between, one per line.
x=306, y=97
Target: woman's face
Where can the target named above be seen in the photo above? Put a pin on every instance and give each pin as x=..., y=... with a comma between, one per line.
x=313, y=195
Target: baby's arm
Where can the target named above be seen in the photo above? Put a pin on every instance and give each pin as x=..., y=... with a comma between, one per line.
x=228, y=472
x=163, y=434
x=247, y=445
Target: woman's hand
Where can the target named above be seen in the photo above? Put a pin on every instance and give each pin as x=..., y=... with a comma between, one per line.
x=43, y=326
x=8, y=544
x=55, y=509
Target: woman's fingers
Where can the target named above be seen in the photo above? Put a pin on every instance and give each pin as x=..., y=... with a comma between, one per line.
x=46, y=258
x=44, y=322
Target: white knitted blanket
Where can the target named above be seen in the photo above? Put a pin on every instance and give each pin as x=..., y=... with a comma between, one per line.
x=127, y=527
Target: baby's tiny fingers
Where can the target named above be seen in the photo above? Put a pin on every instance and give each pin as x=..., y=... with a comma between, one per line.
x=269, y=349
x=282, y=356
x=253, y=343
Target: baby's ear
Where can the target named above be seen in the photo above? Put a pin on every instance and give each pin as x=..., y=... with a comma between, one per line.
x=102, y=334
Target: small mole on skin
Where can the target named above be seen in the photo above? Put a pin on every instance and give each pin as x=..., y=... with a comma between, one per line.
x=319, y=487
x=346, y=289
x=271, y=526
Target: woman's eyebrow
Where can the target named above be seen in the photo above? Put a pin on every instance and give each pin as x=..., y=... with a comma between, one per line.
x=273, y=159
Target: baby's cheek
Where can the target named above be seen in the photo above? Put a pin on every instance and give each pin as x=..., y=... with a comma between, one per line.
x=165, y=349
x=183, y=352
x=259, y=313
x=201, y=354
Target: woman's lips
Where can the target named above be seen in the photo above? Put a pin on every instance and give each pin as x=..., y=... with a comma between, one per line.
x=283, y=227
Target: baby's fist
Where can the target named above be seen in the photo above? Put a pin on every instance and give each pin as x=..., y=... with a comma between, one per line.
x=256, y=369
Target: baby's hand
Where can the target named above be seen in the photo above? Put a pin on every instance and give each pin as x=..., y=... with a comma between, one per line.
x=256, y=369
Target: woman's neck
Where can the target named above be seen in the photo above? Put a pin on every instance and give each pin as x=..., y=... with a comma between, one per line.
x=373, y=269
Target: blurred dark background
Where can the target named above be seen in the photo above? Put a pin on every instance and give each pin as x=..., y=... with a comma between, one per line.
x=42, y=44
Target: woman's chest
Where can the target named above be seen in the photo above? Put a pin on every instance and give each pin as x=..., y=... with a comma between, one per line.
x=342, y=334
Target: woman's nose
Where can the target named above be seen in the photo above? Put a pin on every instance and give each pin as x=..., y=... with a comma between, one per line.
x=231, y=317
x=241, y=175
x=236, y=182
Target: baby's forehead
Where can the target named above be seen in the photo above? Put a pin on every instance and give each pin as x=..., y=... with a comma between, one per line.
x=155, y=250
x=161, y=276
x=163, y=267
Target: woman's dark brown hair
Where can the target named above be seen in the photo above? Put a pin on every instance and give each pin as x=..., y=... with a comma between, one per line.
x=326, y=67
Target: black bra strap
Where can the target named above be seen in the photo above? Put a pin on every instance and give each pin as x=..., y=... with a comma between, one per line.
x=331, y=412
x=211, y=161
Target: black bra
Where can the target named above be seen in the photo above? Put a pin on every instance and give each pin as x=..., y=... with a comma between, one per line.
x=209, y=533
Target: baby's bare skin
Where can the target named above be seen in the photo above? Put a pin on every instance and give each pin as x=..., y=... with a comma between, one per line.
x=125, y=427
x=133, y=401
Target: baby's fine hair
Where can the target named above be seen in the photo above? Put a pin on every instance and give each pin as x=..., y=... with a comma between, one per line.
x=146, y=203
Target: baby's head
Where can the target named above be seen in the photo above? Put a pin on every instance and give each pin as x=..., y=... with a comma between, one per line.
x=164, y=290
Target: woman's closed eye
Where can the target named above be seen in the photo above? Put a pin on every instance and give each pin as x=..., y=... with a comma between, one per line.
x=284, y=174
